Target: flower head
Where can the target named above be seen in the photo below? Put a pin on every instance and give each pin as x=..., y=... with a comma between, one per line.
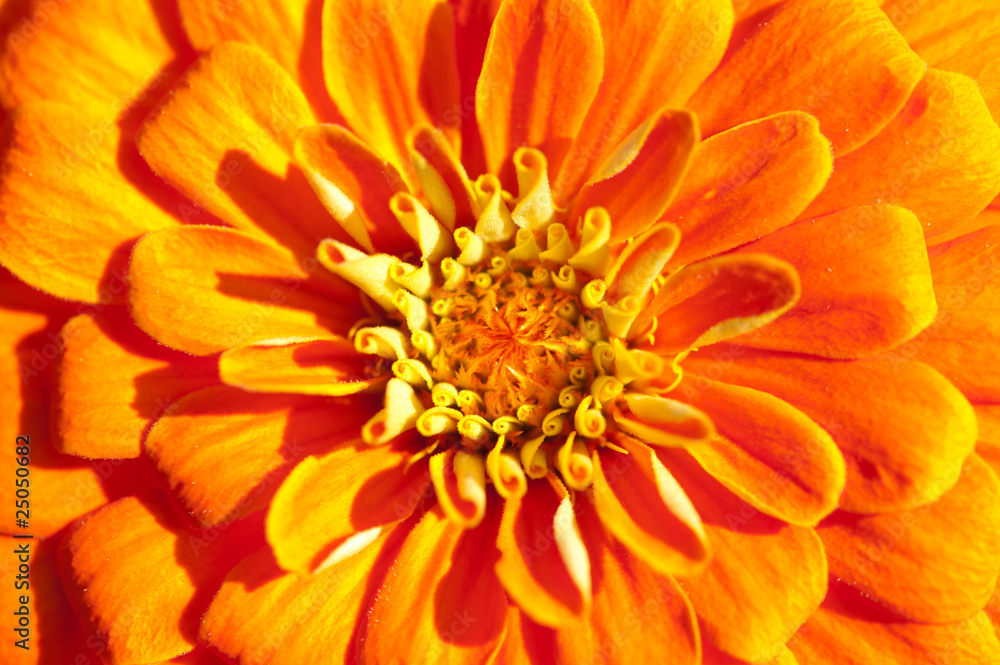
x=525, y=331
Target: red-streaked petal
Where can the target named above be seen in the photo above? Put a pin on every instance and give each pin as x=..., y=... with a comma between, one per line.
x=719, y=298
x=767, y=452
x=748, y=181
x=543, y=66
x=637, y=181
x=454, y=611
x=866, y=283
x=544, y=565
x=640, y=502
x=351, y=489
x=868, y=407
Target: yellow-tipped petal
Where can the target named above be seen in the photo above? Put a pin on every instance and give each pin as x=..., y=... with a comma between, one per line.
x=535, y=208
x=589, y=421
x=534, y=459
x=620, y=316
x=413, y=372
x=413, y=308
x=435, y=242
x=459, y=478
x=454, y=273
x=417, y=281
x=438, y=420
x=475, y=428
x=574, y=463
x=473, y=249
x=368, y=273
x=494, y=223
x=594, y=255
x=505, y=471
x=593, y=293
x=383, y=341
x=402, y=408
x=558, y=245
x=444, y=394
x=526, y=248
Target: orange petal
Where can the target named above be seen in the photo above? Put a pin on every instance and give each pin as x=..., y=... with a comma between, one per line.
x=355, y=185
x=661, y=421
x=656, y=55
x=224, y=138
x=960, y=341
x=51, y=627
x=351, y=489
x=114, y=382
x=719, y=298
x=767, y=452
x=943, y=140
x=766, y=577
x=62, y=488
x=860, y=633
x=256, y=441
x=454, y=611
x=868, y=407
x=866, y=283
x=526, y=643
x=543, y=563
x=988, y=446
x=938, y=563
x=637, y=181
x=543, y=66
x=71, y=210
x=638, y=616
x=101, y=57
x=204, y=289
x=263, y=614
x=144, y=618
x=957, y=36
x=825, y=63
x=389, y=66
x=640, y=502
x=325, y=366
x=287, y=31
x=748, y=181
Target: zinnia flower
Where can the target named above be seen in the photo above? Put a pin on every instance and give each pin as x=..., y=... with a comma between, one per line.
x=523, y=331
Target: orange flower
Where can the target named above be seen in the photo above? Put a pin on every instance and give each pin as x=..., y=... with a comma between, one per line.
x=522, y=331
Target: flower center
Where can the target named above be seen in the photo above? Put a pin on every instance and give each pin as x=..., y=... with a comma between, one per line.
x=506, y=354
x=514, y=343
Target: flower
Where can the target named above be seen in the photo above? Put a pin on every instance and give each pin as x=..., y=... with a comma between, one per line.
x=528, y=331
